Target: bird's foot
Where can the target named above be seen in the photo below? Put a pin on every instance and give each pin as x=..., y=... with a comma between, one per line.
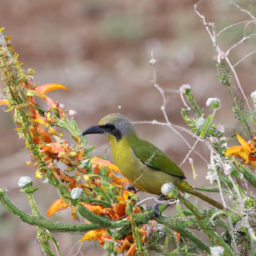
x=162, y=197
x=131, y=188
x=155, y=208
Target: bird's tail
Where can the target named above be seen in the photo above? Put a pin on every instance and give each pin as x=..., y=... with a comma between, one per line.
x=206, y=199
x=185, y=187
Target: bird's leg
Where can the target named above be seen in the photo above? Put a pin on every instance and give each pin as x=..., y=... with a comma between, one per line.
x=155, y=208
x=162, y=197
x=161, y=206
x=106, y=150
x=131, y=186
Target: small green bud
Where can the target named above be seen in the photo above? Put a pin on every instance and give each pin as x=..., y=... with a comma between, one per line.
x=213, y=103
x=185, y=88
x=31, y=71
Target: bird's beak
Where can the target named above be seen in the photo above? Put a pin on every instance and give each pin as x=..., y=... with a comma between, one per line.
x=94, y=129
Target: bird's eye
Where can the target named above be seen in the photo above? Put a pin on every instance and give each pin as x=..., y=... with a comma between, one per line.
x=111, y=127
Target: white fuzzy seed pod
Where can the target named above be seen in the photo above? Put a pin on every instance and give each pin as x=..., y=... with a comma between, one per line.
x=217, y=250
x=76, y=193
x=24, y=181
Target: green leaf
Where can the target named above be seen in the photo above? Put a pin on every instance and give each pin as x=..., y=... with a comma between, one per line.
x=180, y=211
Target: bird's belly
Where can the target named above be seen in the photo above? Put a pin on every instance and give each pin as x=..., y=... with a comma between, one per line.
x=144, y=178
x=151, y=181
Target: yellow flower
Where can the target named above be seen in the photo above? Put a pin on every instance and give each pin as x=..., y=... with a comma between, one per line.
x=246, y=151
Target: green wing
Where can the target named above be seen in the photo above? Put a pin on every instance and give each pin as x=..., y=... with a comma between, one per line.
x=154, y=158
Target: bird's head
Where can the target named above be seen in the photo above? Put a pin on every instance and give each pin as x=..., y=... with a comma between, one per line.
x=113, y=126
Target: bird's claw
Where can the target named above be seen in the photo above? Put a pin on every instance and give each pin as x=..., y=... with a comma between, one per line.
x=162, y=197
x=155, y=208
x=131, y=188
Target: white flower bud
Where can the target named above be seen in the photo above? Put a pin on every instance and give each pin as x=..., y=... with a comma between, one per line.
x=211, y=176
x=152, y=62
x=213, y=103
x=223, y=142
x=209, y=166
x=217, y=250
x=72, y=112
x=253, y=96
x=24, y=181
x=227, y=169
x=76, y=193
x=200, y=122
x=167, y=188
x=190, y=160
x=185, y=87
x=221, y=128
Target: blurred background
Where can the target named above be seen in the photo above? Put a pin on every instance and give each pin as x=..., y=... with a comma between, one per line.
x=100, y=50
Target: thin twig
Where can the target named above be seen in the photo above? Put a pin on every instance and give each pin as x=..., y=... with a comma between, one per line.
x=230, y=26
x=249, y=54
x=242, y=10
x=222, y=53
x=170, y=125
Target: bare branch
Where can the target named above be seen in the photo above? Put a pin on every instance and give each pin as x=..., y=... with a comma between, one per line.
x=249, y=54
x=242, y=10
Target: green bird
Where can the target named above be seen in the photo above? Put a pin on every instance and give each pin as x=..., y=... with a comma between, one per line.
x=141, y=162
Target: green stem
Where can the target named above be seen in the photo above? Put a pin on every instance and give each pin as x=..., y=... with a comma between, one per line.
x=55, y=226
x=206, y=226
x=227, y=250
x=43, y=239
x=192, y=101
x=94, y=201
x=247, y=175
x=42, y=234
x=207, y=125
x=34, y=208
x=88, y=215
x=206, y=189
x=180, y=228
x=135, y=230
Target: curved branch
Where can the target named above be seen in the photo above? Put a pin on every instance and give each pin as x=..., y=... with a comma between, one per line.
x=55, y=226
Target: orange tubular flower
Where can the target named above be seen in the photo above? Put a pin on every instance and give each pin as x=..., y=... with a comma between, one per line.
x=57, y=205
x=41, y=90
x=99, y=234
x=246, y=151
x=5, y=102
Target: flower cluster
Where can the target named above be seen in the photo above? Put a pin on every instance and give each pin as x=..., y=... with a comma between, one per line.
x=91, y=187
x=246, y=151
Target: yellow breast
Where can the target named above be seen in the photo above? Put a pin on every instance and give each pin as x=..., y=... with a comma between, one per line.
x=146, y=179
